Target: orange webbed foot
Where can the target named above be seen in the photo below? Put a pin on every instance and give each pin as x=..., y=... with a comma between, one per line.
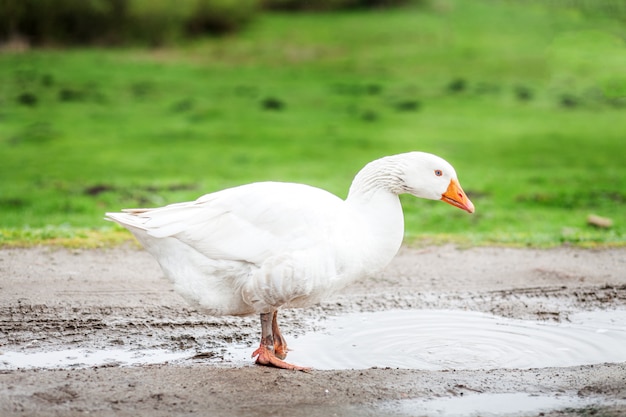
x=266, y=357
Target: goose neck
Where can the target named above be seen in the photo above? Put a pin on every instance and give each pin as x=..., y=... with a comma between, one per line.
x=380, y=175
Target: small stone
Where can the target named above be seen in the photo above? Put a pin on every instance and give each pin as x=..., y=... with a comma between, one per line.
x=599, y=221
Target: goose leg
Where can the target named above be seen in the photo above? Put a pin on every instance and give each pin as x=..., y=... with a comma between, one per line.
x=265, y=353
x=280, y=345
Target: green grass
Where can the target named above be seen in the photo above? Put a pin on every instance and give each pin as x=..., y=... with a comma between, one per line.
x=528, y=103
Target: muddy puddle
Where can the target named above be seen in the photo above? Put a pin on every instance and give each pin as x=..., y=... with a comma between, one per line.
x=488, y=405
x=81, y=358
x=449, y=339
x=431, y=340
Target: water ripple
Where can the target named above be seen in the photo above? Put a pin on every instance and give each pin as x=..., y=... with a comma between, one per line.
x=448, y=339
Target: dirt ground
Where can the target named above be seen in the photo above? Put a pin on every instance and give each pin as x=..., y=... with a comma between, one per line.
x=54, y=299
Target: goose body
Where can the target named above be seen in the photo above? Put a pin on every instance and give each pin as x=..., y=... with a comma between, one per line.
x=269, y=245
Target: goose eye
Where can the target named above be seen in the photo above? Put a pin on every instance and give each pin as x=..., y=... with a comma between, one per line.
x=438, y=172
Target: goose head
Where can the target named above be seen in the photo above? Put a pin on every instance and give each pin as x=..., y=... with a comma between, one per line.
x=428, y=176
x=421, y=174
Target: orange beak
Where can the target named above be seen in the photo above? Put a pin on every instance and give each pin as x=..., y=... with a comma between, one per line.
x=456, y=196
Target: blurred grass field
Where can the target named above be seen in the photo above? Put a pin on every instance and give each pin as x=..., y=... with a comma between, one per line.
x=527, y=101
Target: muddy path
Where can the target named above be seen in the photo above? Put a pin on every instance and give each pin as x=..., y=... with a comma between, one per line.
x=116, y=299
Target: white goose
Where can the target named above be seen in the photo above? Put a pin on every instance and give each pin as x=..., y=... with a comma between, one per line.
x=262, y=246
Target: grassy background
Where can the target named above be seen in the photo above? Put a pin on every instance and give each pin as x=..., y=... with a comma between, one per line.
x=527, y=102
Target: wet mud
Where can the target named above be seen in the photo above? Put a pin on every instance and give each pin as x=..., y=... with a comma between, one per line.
x=112, y=321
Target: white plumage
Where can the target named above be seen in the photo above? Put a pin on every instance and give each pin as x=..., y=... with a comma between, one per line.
x=262, y=246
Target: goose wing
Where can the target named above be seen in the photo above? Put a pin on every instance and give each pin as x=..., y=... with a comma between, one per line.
x=248, y=223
